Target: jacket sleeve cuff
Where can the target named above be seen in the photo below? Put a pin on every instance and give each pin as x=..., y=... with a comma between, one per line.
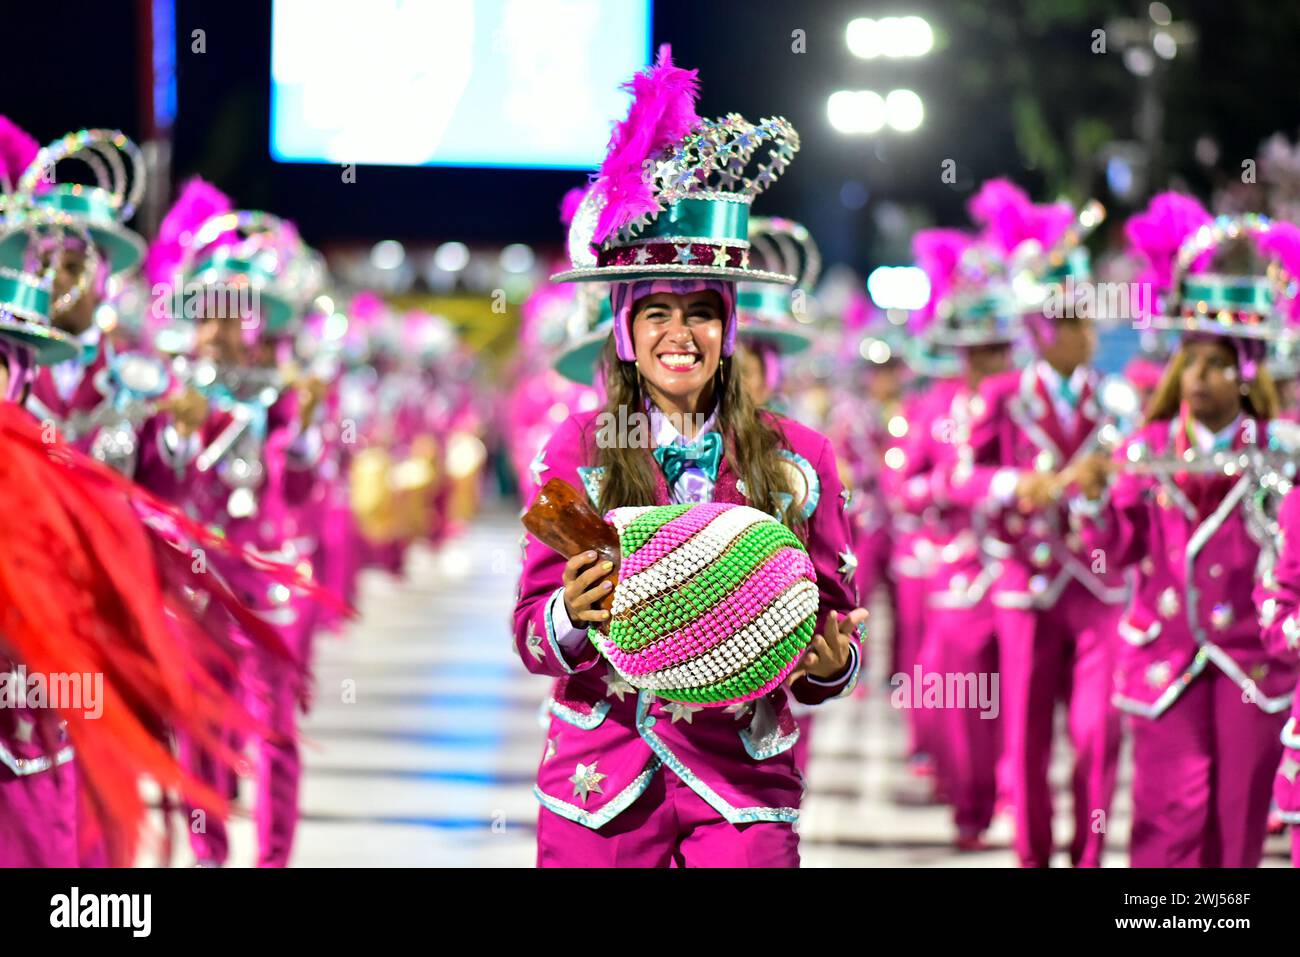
x=569, y=644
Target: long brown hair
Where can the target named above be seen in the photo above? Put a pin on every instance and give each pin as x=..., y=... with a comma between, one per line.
x=751, y=442
x=1260, y=400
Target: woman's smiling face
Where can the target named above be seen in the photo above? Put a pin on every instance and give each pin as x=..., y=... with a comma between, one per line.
x=678, y=341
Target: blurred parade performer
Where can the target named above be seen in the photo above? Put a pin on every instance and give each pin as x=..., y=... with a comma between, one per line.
x=625, y=779
x=237, y=446
x=1208, y=695
x=773, y=323
x=1056, y=605
x=97, y=583
x=77, y=229
x=1277, y=598
x=970, y=310
x=557, y=373
x=892, y=547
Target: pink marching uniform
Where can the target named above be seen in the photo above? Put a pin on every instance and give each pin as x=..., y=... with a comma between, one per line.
x=1207, y=695
x=1208, y=692
x=706, y=779
x=970, y=312
x=1056, y=608
x=628, y=778
x=959, y=635
x=246, y=466
x=1277, y=597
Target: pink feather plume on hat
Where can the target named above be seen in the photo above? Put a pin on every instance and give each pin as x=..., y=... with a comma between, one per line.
x=198, y=202
x=17, y=150
x=1156, y=233
x=1010, y=218
x=570, y=202
x=662, y=113
x=938, y=252
x=1282, y=241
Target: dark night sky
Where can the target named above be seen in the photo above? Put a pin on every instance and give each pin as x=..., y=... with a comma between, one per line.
x=1011, y=88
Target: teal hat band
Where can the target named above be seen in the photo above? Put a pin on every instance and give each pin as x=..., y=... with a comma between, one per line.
x=764, y=300
x=18, y=294
x=702, y=219
x=87, y=203
x=232, y=266
x=1211, y=293
x=1075, y=264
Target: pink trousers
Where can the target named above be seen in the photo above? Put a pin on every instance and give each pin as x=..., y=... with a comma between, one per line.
x=667, y=826
x=969, y=737
x=910, y=614
x=272, y=693
x=1203, y=778
x=1067, y=653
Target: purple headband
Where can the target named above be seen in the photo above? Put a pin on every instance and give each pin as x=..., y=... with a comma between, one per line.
x=624, y=295
x=1250, y=352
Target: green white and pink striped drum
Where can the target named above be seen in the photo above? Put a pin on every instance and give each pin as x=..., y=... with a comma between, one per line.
x=715, y=602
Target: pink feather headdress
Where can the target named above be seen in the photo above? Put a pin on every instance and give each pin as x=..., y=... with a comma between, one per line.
x=1010, y=218
x=1156, y=233
x=1282, y=241
x=17, y=150
x=662, y=113
x=198, y=202
x=939, y=253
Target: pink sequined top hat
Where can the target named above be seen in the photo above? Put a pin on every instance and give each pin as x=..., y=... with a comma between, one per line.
x=671, y=198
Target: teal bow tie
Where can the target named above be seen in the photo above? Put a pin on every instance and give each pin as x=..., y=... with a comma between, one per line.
x=704, y=453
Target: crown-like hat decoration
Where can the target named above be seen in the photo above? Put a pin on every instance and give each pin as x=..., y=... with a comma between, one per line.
x=102, y=207
x=672, y=197
x=769, y=313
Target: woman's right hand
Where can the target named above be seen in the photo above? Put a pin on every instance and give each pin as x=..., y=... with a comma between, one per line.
x=584, y=590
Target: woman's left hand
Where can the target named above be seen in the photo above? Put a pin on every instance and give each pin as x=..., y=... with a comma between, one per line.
x=829, y=654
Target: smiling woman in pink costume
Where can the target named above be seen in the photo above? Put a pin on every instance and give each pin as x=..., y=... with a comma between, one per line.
x=627, y=778
x=1187, y=502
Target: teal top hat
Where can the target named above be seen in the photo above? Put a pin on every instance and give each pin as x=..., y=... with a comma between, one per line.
x=249, y=262
x=589, y=328
x=102, y=208
x=25, y=317
x=774, y=314
x=1240, y=306
x=976, y=317
x=672, y=196
x=1037, y=274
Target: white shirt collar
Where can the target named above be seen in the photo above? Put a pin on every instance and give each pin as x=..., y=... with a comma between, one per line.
x=665, y=433
x=1054, y=380
x=1207, y=441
